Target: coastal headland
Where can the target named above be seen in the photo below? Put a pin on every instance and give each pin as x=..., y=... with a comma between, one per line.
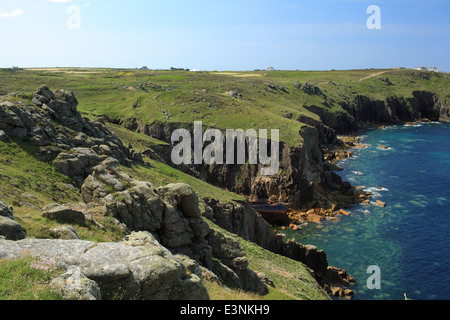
x=86, y=156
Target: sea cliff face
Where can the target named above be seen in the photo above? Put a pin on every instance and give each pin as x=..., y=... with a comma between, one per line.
x=364, y=111
x=305, y=179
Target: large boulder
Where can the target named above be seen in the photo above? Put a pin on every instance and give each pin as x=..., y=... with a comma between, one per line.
x=64, y=233
x=232, y=264
x=63, y=213
x=138, y=268
x=132, y=202
x=77, y=163
x=9, y=228
x=181, y=196
x=75, y=286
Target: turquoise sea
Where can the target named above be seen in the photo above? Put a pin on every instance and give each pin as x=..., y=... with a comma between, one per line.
x=409, y=239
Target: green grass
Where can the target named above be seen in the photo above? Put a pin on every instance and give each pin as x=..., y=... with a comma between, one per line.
x=21, y=173
x=27, y=279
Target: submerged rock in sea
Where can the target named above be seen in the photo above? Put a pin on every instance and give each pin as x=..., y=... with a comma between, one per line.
x=380, y=203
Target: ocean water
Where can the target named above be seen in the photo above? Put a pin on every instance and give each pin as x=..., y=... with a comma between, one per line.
x=409, y=239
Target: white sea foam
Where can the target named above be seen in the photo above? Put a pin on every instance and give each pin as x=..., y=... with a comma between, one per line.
x=413, y=125
x=376, y=189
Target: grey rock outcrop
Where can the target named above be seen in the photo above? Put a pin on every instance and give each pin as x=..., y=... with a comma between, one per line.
x=9, y=228
x=75, y=286
x=233, y=267
x=78, y=162
x=311, y=89
x=3, y=136
x=55, y=125
x=170, y=212
x=5, y=211
x=137, y=268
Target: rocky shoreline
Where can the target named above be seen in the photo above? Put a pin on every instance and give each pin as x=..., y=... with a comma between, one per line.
x=350, y=143
x=319, y=214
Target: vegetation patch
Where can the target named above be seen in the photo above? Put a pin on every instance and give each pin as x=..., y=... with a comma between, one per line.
x=28, y=279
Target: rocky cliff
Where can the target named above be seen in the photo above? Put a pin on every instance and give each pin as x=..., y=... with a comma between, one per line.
x=303, y=179
x=54, y=125
x=364, y=111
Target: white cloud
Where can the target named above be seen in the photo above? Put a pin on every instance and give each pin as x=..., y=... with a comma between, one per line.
x=13, y=14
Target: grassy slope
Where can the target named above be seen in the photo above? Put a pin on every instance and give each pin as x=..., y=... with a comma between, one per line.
x=192, y=96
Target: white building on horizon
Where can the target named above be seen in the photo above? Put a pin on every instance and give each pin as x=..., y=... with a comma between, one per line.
x=434, y=69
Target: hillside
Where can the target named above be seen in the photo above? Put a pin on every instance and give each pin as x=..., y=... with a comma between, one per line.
x=260, y=100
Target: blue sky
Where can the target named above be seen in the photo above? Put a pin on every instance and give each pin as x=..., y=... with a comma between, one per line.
x=225, y=35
